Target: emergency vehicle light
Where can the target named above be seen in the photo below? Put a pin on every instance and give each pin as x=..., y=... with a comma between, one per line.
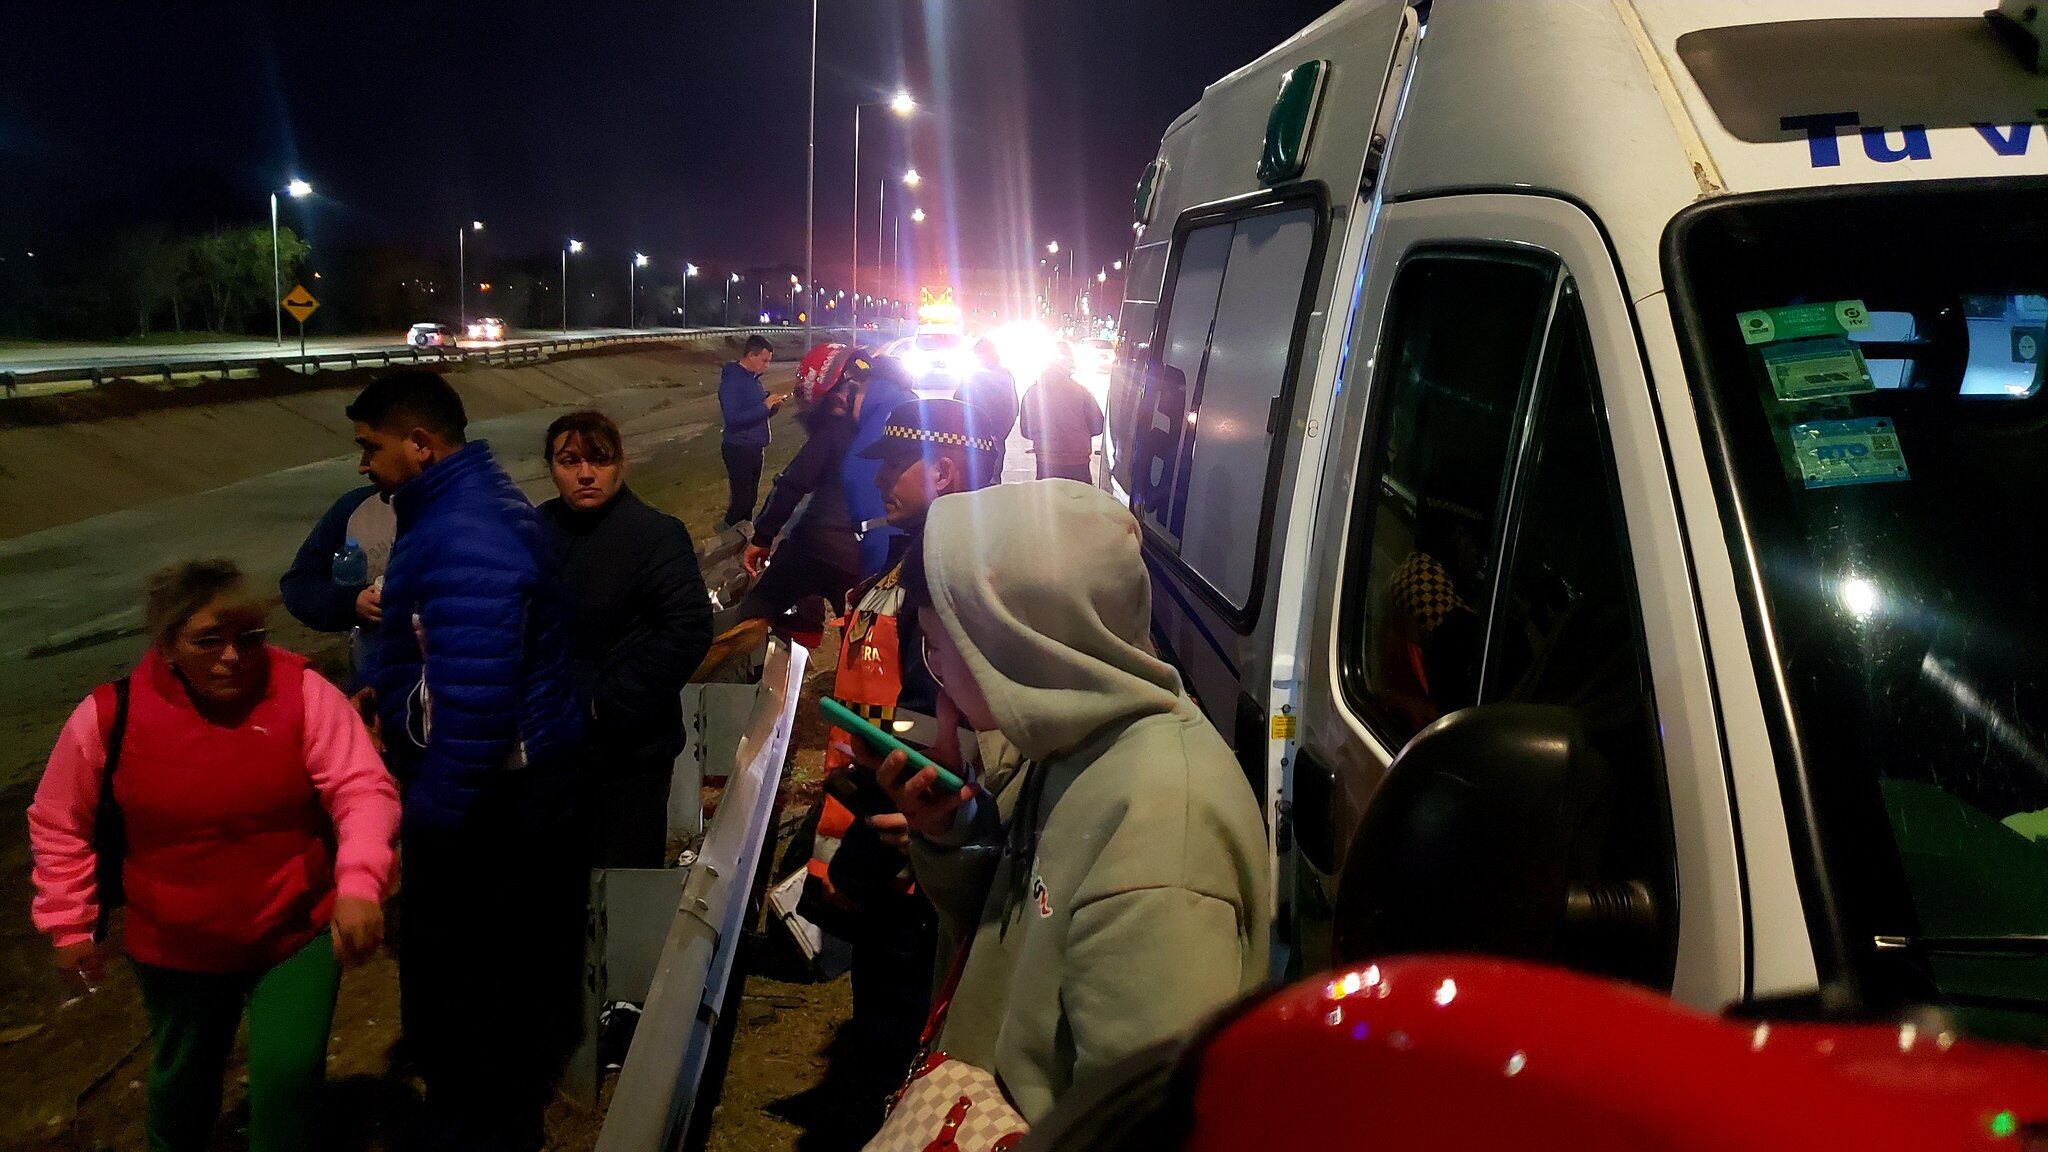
x=1291, y=122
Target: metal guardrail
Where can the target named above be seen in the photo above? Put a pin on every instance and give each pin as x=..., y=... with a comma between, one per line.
x=168, y=369
x=658, y=1088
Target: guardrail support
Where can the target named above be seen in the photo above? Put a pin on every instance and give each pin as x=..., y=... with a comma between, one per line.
x=659, y=1086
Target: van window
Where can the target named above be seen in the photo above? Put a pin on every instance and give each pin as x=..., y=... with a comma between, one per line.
x=1463, y=335
x=1566, y=628
x=1191, y=312
x=1209, y=424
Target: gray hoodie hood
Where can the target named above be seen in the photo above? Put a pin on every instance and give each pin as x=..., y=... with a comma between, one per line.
x=1042, y=588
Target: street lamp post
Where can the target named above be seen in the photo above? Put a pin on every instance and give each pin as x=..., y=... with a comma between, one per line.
x=795, y=284
x=810, y=177
x=462, y=273
x=573, y=246
x=1052, y=291
x=727, y=312
x=689, y=270
x=1052, y=278
x=901, y=105
x=298, y=190
x=911, y=179
x=633, y=289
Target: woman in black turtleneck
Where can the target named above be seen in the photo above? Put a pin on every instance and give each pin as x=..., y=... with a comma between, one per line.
x=640, y=622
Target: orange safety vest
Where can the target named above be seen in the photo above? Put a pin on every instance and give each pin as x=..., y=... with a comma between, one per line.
x=869, y=681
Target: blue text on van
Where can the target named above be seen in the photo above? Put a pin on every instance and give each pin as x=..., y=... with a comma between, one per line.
x=1889, y=146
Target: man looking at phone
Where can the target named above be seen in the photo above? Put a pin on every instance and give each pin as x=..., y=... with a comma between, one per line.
x=928, y=449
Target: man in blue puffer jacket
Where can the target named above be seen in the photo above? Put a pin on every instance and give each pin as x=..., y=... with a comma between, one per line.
x=482, y=724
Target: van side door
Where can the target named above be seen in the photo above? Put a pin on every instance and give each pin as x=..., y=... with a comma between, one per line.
x=1496, y=524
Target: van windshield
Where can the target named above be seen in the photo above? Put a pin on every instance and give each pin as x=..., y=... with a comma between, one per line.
x=1869, y=365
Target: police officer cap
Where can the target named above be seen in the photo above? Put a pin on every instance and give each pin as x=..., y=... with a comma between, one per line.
x=920, y=425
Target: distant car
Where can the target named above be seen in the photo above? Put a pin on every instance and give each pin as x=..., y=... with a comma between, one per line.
x=431, y=336
x=487, y=328
x=938, y=361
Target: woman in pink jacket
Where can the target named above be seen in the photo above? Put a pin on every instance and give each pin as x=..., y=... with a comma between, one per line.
x=254, y=825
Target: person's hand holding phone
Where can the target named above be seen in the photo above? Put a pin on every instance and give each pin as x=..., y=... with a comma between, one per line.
x=928, y=810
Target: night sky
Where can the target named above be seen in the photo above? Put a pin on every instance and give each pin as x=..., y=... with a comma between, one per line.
x=672, y=127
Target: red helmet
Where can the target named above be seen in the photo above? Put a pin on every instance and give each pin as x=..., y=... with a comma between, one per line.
x=818, y=372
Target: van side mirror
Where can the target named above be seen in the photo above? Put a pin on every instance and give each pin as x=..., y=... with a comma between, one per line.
x=1485, y=837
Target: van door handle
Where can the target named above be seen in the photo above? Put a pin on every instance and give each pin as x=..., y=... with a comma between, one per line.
x=1309, y=810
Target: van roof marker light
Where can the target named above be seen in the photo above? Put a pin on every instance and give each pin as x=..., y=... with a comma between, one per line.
x=1291, y=124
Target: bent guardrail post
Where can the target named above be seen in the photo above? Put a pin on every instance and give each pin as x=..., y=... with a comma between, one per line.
x=659, y=1085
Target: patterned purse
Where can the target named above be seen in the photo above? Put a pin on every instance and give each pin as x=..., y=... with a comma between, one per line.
x=947, y=1105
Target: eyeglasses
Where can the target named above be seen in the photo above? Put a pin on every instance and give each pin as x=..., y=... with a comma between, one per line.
x=213, y=644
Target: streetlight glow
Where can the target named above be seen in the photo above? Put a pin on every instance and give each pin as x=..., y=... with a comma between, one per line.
x=299, y=189
x=689, y=270
x=1053, y=248
x=1117, y=267
x=917, y=216
x=575, y=246
x=639, y=260
x=903, y=105
x=1101, y=277
x=911, y=179
x=476, y=225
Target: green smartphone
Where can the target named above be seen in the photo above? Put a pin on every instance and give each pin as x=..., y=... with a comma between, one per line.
x=843, y=717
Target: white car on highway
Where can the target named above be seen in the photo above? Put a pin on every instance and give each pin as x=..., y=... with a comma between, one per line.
x=431, y=336
x=487, y=328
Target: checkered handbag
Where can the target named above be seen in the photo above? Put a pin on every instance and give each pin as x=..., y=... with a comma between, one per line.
x=949, y=1106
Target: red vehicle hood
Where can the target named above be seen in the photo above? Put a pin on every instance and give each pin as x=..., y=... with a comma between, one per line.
x=1480, y=1054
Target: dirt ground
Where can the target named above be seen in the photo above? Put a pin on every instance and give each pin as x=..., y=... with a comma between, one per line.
x=71, y=1066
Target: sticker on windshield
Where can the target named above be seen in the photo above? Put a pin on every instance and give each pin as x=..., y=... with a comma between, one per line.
x=1803, y=321
x=1835, y=453
x=1811, y=369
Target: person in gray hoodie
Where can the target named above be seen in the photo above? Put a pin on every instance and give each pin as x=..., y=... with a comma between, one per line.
x=1111, y=890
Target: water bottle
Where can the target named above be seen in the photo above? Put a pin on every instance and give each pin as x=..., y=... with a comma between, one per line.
x=351, y=566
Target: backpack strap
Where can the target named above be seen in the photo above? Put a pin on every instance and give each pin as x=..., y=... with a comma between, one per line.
x=110, y=832
x=113, y=729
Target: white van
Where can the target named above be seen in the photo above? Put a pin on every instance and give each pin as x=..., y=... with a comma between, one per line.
x=1591, y=456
